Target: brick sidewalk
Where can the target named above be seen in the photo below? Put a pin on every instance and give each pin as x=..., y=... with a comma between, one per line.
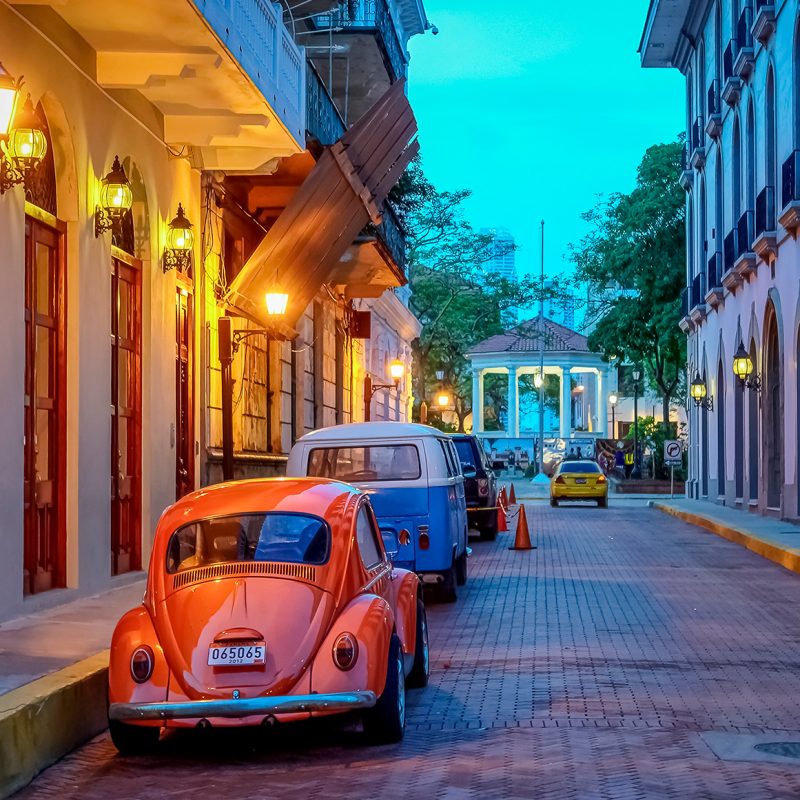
x=586, y=668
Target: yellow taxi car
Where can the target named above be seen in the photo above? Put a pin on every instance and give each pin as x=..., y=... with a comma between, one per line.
x=579, y=480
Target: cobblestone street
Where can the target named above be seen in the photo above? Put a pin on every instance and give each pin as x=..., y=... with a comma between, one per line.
x=587, y=668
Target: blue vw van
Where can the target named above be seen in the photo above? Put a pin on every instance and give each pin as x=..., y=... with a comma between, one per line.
x=413, y=476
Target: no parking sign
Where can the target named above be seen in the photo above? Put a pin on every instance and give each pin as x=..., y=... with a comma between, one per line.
x=673, y=452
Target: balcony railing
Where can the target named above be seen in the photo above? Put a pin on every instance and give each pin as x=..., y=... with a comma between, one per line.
x=391, y=235
x=745, y=233
x=744, y=35
x=729, y=251
x=369, y=16
x=714, y=274
x=727, y=60
x=698, y=290
x=790, y=179
x=713, y=105
x=765, y=211
x=254, y=33
x=686, y=297
x=323, y=120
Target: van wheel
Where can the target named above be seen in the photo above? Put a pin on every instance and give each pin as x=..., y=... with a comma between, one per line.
x=447, y=589
x=421, y=671
x=385, y=722
x=461, y=569
x=133, y=740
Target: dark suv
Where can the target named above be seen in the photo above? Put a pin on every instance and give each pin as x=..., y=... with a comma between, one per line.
x=480, y=485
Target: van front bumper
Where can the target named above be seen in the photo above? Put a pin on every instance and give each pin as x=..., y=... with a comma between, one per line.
x=247, y=707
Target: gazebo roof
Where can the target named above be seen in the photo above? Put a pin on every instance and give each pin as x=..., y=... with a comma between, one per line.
x=524, y=338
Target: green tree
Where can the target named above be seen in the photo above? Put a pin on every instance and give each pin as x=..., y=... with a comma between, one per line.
x=458, y=302
x=633, y=259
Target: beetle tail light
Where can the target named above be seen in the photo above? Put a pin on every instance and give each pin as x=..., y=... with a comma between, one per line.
x=424, y=537
x=345, y=651
x=142, y=662
x=483, y=487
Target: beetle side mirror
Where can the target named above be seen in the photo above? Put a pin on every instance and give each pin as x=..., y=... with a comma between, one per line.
x=390, y=543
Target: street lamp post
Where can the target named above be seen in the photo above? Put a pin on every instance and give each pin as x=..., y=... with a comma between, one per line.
x=613, y=399
x=396, y=370
x=637, y=466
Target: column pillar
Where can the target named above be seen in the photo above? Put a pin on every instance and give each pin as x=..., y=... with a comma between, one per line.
x=565, y=407
x=602, y=403
x=512, y=428
x=477, y=401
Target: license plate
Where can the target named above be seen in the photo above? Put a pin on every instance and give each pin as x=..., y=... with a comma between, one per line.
x=580, y=480
x=237, y=654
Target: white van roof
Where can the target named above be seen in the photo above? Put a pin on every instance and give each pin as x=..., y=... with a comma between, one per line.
x=370, y=430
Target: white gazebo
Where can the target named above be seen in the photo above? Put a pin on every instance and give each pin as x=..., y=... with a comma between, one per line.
x=566, y=353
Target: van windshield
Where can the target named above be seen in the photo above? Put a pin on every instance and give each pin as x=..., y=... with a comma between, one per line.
x=385, y=462
x=283, y=537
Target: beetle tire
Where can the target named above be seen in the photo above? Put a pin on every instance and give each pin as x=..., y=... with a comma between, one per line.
x=447, y=589
x=385, y=723
x=461, y=569
x=420, y=672
x=133, y=740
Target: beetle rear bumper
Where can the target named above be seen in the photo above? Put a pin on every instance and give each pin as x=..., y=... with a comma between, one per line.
x=254, y=706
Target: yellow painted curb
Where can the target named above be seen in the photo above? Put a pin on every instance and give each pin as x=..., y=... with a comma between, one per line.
x=46, y=719
x=786, y=558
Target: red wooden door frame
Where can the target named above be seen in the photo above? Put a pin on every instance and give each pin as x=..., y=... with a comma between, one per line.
x=126, y=512
x=53, y=574
x=184, y=391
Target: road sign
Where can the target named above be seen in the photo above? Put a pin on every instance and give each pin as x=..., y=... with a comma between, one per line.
x=673, y=453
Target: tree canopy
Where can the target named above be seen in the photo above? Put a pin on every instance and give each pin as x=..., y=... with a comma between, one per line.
x=633, y=259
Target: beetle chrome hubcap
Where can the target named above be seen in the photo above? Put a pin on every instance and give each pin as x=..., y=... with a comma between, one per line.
x=401, y=692
x=426, y=656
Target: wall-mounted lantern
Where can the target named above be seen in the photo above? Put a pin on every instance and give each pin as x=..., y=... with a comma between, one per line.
x=699, y=393
x=23, y=143
x=744, y=370
x=396, y=371
x=538, y=380
x=180, y=243
x=116, y=199
x=277, y=300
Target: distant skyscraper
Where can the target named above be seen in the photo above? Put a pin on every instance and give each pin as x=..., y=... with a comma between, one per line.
x=504, y=258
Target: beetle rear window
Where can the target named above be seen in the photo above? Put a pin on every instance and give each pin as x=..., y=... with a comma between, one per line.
x=388, y=462
x=291, y=538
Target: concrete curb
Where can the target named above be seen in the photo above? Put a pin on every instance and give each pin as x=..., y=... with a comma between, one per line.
x=44, y=720
x=786, y=558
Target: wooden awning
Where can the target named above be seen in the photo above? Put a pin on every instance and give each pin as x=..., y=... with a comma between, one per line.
x=346, y=189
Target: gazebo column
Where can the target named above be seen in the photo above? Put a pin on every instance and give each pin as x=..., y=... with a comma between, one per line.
x=602, y=402
x=512, y=428
x=565, y=407
x=477, y=401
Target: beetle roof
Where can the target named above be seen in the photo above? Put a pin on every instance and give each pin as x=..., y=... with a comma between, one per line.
x=317, y=496
x=370, y=430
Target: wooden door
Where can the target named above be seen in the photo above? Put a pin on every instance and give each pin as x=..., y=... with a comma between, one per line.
x=126, y=414
x=184, y=400
x=44, y=557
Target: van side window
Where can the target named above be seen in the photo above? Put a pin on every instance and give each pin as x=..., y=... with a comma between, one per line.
x=366, y=535
x=448, y=458
x=454, y=457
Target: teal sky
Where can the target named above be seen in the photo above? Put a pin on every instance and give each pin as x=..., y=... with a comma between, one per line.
x=538, y=111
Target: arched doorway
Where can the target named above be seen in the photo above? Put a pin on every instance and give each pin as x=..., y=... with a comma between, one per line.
x=752, y=436
x=772, y=411
x=738, y=439
x=719, y=408
x=704, y=448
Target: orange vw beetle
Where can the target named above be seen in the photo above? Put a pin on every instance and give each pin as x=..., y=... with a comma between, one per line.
x=268, y=600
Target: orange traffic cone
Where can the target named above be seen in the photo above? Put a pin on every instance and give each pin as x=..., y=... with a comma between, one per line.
x=522, y=541
x=502, y=523
x=512, y=496
x=502, y=498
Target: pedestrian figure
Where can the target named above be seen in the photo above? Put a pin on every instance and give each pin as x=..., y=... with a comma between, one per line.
x=628, y=464
x=580, y=455
x=571, y=455
x=619, y=461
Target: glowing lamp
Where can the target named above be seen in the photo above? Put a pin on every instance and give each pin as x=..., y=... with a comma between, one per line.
x=27, y=144
x=742, y=364
x=538, y=380
x=116, y=198
x=442, y=399
x=276, y=301
x=9, y=96
x=613, y=399
x=180, y=241
x=698, y=390
x=396, y=370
